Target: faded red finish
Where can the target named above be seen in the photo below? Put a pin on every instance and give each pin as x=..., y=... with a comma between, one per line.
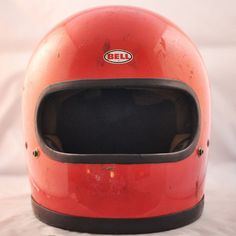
x=74, y=50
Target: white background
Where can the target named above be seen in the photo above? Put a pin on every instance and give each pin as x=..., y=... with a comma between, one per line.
x=212, y=26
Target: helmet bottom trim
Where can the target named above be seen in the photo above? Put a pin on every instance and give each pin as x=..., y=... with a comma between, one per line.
x=119, y=225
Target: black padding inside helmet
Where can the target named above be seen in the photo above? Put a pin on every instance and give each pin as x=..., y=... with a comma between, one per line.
x=118, y=120
x=113, y=123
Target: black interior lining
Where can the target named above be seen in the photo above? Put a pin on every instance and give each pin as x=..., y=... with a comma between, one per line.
x=118, y=120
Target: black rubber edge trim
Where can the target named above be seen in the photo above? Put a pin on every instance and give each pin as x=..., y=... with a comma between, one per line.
x=117, y=158
x=118, y=226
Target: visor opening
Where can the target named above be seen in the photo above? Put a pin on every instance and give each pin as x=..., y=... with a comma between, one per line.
x=118, y=120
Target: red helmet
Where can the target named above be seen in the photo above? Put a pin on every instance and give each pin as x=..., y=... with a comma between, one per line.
x=116, y=117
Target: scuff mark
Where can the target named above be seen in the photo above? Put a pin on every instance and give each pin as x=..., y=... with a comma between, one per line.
x=191, y=74
x=196, y=188
x=106, y=46
x=100, y=61
x=163, y=44
x=109, y=168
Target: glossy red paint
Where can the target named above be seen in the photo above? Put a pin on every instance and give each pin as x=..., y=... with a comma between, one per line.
x=74, y=50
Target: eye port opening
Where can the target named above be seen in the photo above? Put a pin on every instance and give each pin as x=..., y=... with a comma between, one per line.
x=124, y=119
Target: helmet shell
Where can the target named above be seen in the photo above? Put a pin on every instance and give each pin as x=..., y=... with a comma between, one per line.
x=76, y=50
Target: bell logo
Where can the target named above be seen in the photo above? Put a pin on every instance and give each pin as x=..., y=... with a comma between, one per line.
x=118, y=56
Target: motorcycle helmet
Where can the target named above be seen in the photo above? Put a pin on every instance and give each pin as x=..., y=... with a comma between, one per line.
x=116, y=119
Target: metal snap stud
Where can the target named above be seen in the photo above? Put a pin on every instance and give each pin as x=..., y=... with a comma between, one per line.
x=200, y=151
x=36, y=153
